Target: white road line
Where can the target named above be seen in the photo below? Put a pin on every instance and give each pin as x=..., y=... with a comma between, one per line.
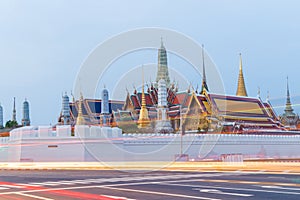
x=3, y=188
x=281, y=188
x=222, y=193
x=90, y=181
x=12, y=186
x=159, y=193
x=49, y=189
x=228, y=188
x=116, y=197
x=33, y=196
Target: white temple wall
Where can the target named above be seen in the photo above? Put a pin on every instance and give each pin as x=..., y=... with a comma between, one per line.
x=92, y=143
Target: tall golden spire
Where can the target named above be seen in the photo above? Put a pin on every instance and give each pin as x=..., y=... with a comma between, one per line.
x=241, y=89
x=144, y=120
x=80, y=119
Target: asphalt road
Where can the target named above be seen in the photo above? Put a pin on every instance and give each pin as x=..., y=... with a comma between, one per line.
x=106, y=185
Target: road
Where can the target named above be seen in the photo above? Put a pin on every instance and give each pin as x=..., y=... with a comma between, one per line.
x=109, y=185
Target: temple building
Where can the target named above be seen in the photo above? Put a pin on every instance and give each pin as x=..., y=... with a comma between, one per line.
x=289, y=119
x=161, y=108
x=90, y=110
x=193, y=111
x=25, y=119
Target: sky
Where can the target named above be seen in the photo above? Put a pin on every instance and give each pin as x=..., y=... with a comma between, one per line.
x=44, y=43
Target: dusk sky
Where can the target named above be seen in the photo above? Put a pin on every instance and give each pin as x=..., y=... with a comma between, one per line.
x=44, y=43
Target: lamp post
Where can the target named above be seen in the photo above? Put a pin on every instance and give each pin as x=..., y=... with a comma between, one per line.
x=181, y=131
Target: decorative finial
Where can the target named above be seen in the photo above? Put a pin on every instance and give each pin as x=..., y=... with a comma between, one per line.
x=268, y=96
x=258, y=92
x=73, y=98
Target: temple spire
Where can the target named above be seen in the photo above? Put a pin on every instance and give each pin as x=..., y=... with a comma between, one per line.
x=288, y=105
x=80, y=119
x=268, y=96
x=241, y=89
x=204, y=84
x=144, y=120
x=162, y=66
x=14, y=116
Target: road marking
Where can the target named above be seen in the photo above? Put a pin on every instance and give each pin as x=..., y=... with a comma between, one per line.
x=33, y=196
x=158, y=193
x=137, y=178
x=226, y=193
x=278, y=187
x=237, y=181
x=228, y=188
x=116, y=197
x=3, y=188
x=12, y=186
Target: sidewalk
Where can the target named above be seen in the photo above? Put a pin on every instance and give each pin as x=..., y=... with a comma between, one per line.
x=256, y=167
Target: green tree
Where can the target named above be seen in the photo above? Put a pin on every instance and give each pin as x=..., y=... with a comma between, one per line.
x=11, y=124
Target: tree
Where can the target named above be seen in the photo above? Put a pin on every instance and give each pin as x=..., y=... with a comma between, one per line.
x=11, y=124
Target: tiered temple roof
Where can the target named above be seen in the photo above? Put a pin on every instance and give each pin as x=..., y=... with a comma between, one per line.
x=203, y=111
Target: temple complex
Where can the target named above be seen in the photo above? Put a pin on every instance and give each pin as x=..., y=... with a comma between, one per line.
x=193, y=111
x=90, y=110
x=162, y=108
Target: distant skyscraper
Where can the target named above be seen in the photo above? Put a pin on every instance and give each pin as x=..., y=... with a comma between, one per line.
x=26, y=119
x=1, y=116
x=162, y=68
x=65, y=109
x=241, y=89
x=14, y=115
